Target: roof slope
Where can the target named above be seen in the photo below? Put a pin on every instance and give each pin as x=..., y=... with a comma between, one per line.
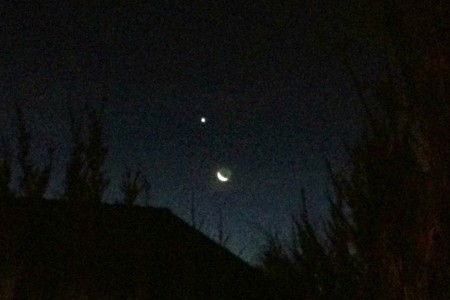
x=58, y=249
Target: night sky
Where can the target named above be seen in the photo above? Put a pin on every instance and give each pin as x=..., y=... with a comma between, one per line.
x=276, y=102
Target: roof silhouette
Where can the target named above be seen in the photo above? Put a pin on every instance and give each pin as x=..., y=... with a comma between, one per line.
x=54, y=249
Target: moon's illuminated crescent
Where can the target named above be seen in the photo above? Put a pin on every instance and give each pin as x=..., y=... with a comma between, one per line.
x=221, y=177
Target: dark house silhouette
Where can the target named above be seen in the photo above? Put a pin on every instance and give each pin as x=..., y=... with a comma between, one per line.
x=60, y=250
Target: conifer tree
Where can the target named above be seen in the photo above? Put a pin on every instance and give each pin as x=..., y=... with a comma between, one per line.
x=95, y=156
x=394, y=242
x=85, y=180
x=34, y=181
x=75, y=189
x=399, y=190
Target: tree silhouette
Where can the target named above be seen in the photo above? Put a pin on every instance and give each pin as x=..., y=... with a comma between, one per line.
x=74, y=173
x=34, y=181
x=95, y=156
x=85, y=180
x=133, y=184
x=393, y=243
x=5, y=170
x=400, y=186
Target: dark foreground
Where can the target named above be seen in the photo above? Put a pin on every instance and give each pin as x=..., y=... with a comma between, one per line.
x=58, y=250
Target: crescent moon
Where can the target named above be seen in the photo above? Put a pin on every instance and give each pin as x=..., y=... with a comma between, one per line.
x=221, y=177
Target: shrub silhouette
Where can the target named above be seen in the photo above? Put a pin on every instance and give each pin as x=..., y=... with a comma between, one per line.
x=132, y=185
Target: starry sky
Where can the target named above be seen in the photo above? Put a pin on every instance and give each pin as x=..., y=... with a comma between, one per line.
x=276, y=101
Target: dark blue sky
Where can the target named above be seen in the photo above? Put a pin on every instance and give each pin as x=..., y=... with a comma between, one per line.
x=275, y=100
